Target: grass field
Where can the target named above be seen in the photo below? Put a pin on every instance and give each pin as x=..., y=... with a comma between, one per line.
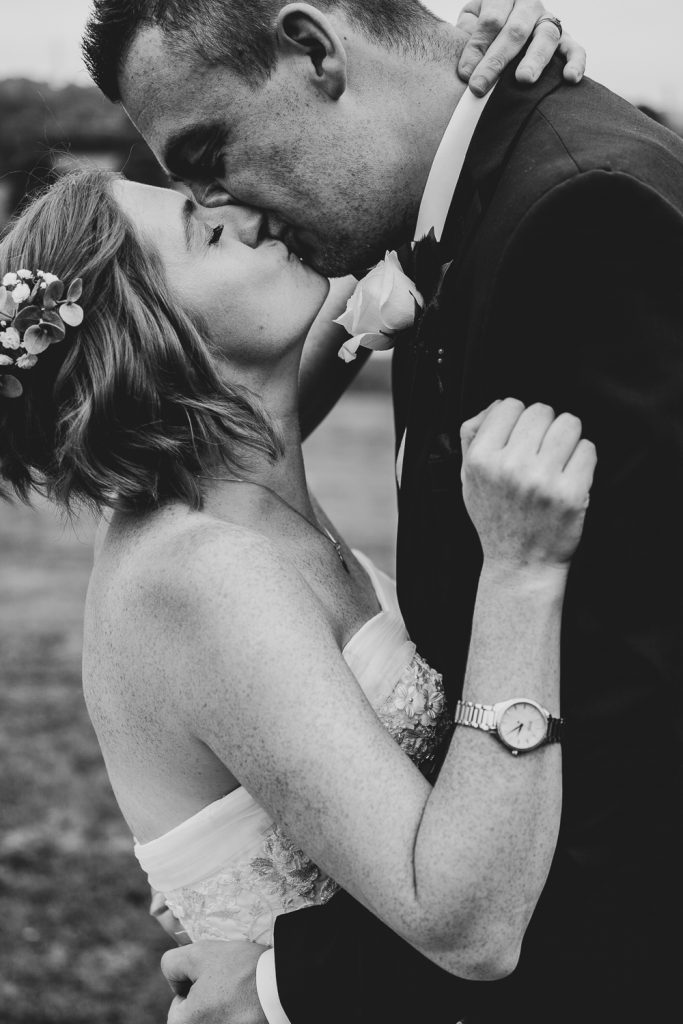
x=76, y=945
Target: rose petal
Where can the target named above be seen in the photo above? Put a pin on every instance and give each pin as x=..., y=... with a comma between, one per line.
x=349, y=349
x=71, y=314
x=36, y=341
x=378, y=342
x=10, y=387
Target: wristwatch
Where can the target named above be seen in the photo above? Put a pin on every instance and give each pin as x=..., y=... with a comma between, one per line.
x=521, y=725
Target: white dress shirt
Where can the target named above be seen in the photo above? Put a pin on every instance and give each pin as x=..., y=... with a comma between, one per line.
x=436, y=202
x=442, y=182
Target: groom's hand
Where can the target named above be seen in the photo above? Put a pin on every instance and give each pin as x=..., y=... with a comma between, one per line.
x=214, y=983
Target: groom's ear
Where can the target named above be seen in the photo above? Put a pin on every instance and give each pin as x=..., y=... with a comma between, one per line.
x=304, y=31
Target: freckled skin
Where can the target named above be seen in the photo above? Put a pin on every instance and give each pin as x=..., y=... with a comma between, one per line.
x=212, y=656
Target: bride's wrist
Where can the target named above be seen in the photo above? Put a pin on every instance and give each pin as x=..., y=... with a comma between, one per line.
x=531, y=578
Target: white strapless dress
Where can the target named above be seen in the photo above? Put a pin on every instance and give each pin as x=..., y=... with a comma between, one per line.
x=228, y=871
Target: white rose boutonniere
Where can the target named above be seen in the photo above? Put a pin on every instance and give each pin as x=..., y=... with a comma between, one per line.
x=384, y=302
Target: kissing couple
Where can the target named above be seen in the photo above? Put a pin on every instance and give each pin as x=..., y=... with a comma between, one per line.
x=364, y=803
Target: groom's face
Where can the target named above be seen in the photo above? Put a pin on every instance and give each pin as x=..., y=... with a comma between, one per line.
x=270, y=146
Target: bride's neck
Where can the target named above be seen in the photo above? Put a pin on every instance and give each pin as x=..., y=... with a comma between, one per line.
x=286, y=476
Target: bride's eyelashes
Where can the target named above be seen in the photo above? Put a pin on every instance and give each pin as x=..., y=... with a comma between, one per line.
x=215, y=234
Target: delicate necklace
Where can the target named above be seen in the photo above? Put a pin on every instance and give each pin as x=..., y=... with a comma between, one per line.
x=322, y=530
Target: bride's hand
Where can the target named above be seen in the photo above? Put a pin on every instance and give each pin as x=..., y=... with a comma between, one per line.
x=500, y=29
x=526, y=479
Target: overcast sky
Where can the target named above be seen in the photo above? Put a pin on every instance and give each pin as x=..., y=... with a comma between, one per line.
x=634, y=47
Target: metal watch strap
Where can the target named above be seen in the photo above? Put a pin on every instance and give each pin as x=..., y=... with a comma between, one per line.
x=483, y=716
x=478, y=716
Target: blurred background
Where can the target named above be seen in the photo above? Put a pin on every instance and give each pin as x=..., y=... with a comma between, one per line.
x=76, y=945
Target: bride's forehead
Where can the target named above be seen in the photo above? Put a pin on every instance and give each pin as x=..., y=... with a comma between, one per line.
x=146, y=198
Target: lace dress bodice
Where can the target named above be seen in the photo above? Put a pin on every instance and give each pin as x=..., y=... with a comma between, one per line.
x=227, y=872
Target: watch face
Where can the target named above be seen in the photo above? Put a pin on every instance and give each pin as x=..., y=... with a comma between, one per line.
x=522, y=726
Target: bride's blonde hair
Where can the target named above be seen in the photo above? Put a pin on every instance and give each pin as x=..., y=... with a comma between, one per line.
x=130, y=409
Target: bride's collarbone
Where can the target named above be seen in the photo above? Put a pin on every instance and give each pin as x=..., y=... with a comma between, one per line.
x=135, y=548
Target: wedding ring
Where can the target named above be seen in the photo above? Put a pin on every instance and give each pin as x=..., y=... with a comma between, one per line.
x=553, y=21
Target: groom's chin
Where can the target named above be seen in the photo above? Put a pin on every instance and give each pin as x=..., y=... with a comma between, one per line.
x=341, y=261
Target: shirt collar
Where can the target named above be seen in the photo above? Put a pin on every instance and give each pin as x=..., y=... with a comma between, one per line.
x=448, y=164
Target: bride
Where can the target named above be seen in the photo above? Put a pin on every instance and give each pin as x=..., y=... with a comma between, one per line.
x=269, y=730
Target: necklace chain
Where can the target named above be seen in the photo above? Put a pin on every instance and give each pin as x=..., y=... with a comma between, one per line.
x=322, y=530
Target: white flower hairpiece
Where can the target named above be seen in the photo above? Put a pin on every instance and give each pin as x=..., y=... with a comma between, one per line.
x=33, y=316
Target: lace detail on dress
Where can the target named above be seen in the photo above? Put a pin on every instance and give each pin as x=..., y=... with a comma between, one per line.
x=415, y=714
x=252, y=894
x=287, y=871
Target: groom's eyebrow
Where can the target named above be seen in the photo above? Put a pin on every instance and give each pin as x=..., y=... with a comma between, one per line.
x=185, y=148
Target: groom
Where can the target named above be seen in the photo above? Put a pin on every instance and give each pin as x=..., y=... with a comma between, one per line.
x=559, y=214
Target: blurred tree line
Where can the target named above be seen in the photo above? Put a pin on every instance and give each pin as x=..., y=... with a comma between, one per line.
x=44, y=130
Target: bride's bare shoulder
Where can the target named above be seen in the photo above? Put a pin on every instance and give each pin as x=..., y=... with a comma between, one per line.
x=195, y=565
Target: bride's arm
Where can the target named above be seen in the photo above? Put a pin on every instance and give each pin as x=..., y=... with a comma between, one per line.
x=256, y=671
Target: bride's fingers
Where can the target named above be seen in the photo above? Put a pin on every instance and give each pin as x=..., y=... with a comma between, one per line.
x=560, y=441
x=493, y=16
x=575, y=56
x=545, y=42
x=530, y=429
x=580, y=470
x=470, y=428
x=494, y=433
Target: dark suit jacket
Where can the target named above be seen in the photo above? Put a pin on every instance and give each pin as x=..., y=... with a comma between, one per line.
x=566, y=235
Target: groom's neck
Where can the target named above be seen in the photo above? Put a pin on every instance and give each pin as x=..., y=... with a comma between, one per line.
x=424, y=103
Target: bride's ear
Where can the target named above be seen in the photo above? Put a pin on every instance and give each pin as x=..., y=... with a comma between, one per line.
x=304, y=31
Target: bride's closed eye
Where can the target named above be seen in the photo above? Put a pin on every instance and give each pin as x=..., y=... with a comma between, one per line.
x=215, y=234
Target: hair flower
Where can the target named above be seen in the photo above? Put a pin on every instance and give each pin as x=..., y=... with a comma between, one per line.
x=21, y=292
x=10, y=338
x=70, y=312
x=33, y=316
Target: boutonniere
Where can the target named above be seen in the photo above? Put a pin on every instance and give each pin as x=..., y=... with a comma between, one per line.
x=384, y=302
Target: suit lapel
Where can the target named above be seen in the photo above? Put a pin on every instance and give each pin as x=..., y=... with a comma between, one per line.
x=417, y=369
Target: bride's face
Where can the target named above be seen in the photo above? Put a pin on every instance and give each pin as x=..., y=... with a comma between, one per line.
x=256, y=297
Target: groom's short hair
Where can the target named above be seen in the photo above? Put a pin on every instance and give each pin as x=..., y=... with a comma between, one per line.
x=235, y=33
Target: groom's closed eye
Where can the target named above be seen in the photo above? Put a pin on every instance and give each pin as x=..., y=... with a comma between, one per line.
x=194, y=153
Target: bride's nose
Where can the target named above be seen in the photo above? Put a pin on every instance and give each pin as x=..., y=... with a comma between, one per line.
x=246, y=222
